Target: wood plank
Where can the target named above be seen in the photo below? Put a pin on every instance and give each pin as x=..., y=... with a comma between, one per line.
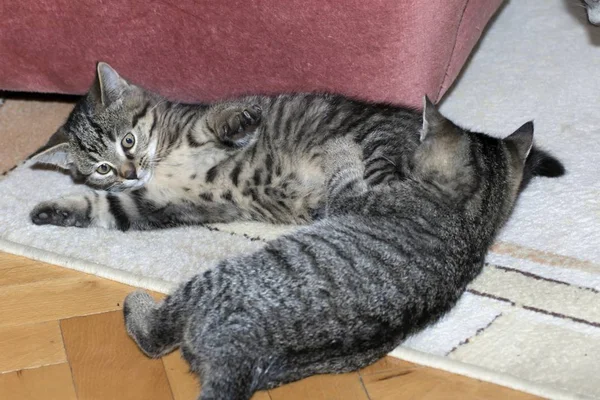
x=106, y=363
x=50, y=382
x=17, y=270
x=184, y=384
x=32, y=291
x=29, y=346
x=13, y=260
x=262, y=395
x=431, y=384
x=386, y=364
x=58, y=299
x=323, y=387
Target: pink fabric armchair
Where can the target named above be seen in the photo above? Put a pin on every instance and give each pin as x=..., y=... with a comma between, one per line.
x=199, y=50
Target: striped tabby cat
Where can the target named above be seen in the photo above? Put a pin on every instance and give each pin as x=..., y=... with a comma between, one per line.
x=162, y=164
x=337, y=295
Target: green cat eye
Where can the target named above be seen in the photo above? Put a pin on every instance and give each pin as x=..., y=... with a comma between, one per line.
x=128, y=141
x=103, y=169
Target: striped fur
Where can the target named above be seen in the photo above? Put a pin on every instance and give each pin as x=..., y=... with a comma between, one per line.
x=386, y=261
x=256, y=158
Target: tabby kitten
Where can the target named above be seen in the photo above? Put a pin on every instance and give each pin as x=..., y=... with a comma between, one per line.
x=339, y=294
x=162, y=164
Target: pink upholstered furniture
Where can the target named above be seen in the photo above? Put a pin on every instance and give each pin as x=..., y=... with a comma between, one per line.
x=193, y=50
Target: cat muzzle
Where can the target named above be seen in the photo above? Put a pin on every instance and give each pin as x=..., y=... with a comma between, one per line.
x=128, y=171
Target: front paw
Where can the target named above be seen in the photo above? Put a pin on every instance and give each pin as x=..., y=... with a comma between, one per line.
x=62, y=212
x=235, y=124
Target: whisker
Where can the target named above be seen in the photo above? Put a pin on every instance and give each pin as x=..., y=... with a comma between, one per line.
x=157, y=104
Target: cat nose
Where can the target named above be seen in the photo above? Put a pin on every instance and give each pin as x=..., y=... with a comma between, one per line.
x=128, y=171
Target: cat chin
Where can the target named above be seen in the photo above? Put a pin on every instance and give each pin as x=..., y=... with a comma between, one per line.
x=132, y=184
x=143, y=179
x=128, y=185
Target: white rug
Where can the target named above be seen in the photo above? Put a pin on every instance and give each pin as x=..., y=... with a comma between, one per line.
x=531, y=321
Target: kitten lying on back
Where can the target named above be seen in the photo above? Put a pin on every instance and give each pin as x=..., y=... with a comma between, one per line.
x=337, y=295
x=165, y=164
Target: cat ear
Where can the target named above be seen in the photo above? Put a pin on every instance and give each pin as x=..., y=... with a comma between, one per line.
x=60, y=137
x=58, y=155
x=109, y=86
x=432, y=118
x=522, y=140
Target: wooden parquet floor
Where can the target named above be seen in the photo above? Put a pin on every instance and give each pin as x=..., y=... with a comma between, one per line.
x=62, y=337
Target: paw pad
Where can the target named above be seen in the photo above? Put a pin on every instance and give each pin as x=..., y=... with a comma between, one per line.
x=56, y=214
x=242, y=122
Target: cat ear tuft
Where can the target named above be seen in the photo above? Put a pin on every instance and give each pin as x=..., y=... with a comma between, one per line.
x=58, y=155
x=431, y=118
x=522, y=140
x=109, y=86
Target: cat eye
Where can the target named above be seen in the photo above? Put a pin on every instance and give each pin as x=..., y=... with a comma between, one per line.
x=128, y=141
x=103, y=169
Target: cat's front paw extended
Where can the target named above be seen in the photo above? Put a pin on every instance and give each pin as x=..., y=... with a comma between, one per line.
x=62, y=212
x=235, y=123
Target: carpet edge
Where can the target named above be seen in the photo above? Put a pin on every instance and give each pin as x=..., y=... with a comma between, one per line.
x=87, y=267
x=483, y=374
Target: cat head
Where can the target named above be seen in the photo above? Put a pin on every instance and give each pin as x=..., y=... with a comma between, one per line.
x=106, y=139
x=462, y=164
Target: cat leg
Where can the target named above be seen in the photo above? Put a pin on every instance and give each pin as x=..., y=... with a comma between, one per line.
x=81, y=211
x=93, y=209
x=228, y=376
x=302, y=366
x=225, y=355
x=129, y=210
x=186, y=214
x=155, y=327
x=234, y=123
